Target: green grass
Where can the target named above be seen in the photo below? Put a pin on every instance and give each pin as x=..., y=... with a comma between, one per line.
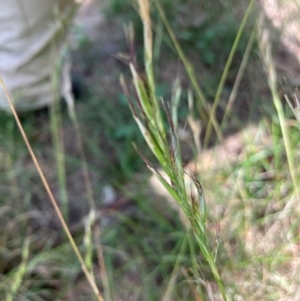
x=251, y=198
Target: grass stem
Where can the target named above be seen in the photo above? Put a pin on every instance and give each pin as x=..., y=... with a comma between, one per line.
x=51, y=196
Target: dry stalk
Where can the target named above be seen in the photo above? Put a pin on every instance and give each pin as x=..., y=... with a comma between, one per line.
x=88, y=275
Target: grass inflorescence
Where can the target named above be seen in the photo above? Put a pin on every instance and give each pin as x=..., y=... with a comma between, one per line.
x=148, y=116
x=236, y=236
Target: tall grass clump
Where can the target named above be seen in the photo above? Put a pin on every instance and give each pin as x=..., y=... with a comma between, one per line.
x=149, y=117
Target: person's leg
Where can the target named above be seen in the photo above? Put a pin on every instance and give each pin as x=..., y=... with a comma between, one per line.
x=32, y=42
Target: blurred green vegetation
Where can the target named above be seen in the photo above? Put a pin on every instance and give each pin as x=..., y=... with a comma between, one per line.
x=143, y=240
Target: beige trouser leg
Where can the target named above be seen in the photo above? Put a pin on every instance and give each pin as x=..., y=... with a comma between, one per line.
x=32, y=42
